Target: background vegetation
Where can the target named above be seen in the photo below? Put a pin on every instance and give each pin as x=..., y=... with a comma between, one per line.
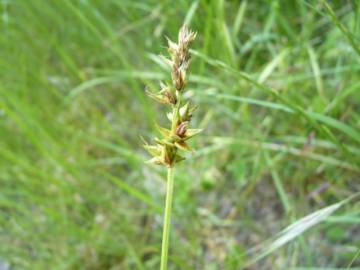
x=278, y=86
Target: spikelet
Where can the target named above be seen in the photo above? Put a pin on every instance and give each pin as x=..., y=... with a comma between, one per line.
x=166, y=150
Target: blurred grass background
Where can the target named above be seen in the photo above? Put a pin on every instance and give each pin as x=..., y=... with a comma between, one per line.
x=278, y=87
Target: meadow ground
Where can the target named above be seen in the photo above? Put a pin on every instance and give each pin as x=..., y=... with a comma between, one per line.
x=274, y=181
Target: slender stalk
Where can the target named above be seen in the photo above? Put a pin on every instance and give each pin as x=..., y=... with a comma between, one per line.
x=167, y=218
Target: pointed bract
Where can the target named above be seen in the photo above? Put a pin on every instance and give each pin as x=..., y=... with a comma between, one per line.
x=192, y=132
x=178, y=158
x=154, y=150
x=156, y=161
x=183, y=146
x=163, y=131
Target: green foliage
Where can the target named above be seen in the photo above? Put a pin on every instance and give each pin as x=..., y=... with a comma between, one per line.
x=277, y=83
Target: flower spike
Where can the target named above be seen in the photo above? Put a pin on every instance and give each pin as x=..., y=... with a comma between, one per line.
x=166, y=150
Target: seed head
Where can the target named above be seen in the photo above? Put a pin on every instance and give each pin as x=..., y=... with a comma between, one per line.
x=166, y=149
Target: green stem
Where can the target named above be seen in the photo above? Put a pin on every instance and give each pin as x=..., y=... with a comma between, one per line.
x=167, y=218
x=176, y=114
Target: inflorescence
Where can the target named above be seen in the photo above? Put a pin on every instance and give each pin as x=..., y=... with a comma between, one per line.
x=166, y=149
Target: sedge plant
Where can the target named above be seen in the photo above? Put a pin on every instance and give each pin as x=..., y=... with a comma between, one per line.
x=173, y=140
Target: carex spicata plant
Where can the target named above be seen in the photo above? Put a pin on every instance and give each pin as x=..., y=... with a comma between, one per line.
x=167, y=149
